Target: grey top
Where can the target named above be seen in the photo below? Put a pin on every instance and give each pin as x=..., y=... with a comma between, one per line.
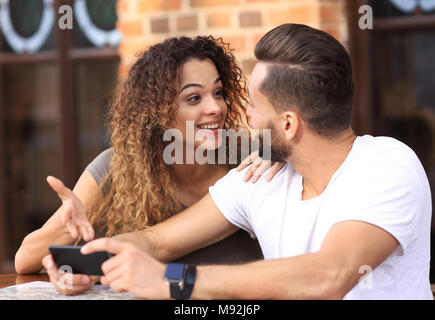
x=237, y=248
x=99, y=167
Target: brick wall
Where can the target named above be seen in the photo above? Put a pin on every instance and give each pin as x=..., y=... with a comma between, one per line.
x=240, y=22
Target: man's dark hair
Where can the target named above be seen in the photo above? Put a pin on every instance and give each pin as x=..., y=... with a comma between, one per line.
x=309, y=72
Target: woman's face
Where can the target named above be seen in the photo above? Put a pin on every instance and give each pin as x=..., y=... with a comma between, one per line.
x=201, y=104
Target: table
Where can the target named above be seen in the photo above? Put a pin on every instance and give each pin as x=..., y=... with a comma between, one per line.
x=44, y=290
x=7, y=280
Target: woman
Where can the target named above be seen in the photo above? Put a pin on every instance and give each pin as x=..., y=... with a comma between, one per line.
x=174, y=82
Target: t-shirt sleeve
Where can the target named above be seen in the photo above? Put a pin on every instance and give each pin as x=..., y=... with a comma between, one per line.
x=99, y=167
x=389, y=195
x=231, y=196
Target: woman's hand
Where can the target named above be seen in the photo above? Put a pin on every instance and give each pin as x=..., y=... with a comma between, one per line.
x=67, y=283
x=258, y=167
x=73, y=213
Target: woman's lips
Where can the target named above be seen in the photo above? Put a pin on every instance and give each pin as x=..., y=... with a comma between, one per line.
x=210, y=128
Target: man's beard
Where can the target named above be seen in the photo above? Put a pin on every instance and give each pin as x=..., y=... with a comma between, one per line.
x=277, y=150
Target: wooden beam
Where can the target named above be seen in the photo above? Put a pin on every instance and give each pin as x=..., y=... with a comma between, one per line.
x=14, y=58
x=359, y=46
x=68, y=126
x=3, y=188
x=93, y=53
x=407, y=23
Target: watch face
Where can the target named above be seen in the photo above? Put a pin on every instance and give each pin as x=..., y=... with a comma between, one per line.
x=174, y=271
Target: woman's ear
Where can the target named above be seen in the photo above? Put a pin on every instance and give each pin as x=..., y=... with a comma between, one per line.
x=290, y=124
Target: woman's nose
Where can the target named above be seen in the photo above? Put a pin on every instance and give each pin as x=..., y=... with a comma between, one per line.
x=212, y=106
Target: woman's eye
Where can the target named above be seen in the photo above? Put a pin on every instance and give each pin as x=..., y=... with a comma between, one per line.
x=220, y=93
x=194, y=99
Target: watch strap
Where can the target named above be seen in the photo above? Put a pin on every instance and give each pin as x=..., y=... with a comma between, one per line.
x=188, y=283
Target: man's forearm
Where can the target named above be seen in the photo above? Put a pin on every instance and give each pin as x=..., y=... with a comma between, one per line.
x=144, y=239
x=301, y=277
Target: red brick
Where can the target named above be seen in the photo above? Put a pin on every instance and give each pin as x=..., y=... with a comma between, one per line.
x=250, y=19
x=160, y=25
x=237, y=43
x=127, y=48
x=330, y=12
x=304, y=14
x=186, y=23
x=122, y=6
x=219, y=20
x=157, y=5
x=213, y=3
x=130, y=27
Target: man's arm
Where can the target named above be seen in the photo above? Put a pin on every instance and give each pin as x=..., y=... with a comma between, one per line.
x=196, y=227
x=329, y=273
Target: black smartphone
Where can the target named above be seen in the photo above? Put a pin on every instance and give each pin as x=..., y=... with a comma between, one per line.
x=77, y=262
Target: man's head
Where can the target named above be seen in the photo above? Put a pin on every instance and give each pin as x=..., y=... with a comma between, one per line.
x=303, y=81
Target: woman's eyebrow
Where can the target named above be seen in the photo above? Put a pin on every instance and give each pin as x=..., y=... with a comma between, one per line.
x=197, y=85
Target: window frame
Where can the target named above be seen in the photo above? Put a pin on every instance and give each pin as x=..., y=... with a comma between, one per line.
x=64, y=55
x=365, y=114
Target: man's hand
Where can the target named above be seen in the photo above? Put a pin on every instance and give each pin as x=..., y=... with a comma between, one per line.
x=131, y=269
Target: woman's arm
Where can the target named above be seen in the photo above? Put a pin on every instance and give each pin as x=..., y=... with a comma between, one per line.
x=35, y=245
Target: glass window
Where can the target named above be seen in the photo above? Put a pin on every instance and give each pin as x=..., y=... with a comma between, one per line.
x=103, y=13
x=94, y=85
x=400, y=8
x=28, y=26
x=26, y=16
x=32, y=144
x=30, y=102
x=94, y=19
x=405, y=97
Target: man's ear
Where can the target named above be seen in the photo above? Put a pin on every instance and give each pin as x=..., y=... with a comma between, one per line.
x=290, y=124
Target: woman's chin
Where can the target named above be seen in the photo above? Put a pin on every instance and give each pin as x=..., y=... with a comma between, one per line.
x=210, y=144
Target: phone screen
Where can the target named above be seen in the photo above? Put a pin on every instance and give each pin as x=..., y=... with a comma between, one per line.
x=77, y=262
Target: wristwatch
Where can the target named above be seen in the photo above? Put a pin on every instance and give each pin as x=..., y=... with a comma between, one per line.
x=181, y=278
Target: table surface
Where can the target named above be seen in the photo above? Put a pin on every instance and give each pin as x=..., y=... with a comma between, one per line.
x=7, y=280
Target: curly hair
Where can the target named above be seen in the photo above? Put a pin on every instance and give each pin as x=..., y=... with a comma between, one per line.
x=139, y=182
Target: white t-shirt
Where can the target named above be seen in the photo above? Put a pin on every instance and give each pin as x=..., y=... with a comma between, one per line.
x=381, y=182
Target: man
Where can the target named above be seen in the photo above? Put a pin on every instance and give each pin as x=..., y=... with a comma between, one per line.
x=341, y=207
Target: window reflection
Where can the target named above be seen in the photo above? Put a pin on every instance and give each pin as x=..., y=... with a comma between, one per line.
x=397, y=8
x=32, y=147
x=405, y=97
x=94, y=83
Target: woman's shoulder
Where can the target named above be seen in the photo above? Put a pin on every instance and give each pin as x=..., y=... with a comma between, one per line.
x=99, y=167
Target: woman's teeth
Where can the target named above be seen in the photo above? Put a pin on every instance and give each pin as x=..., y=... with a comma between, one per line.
x=209, y=126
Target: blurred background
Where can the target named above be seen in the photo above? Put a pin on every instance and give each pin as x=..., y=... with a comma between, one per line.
x=56, y=85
